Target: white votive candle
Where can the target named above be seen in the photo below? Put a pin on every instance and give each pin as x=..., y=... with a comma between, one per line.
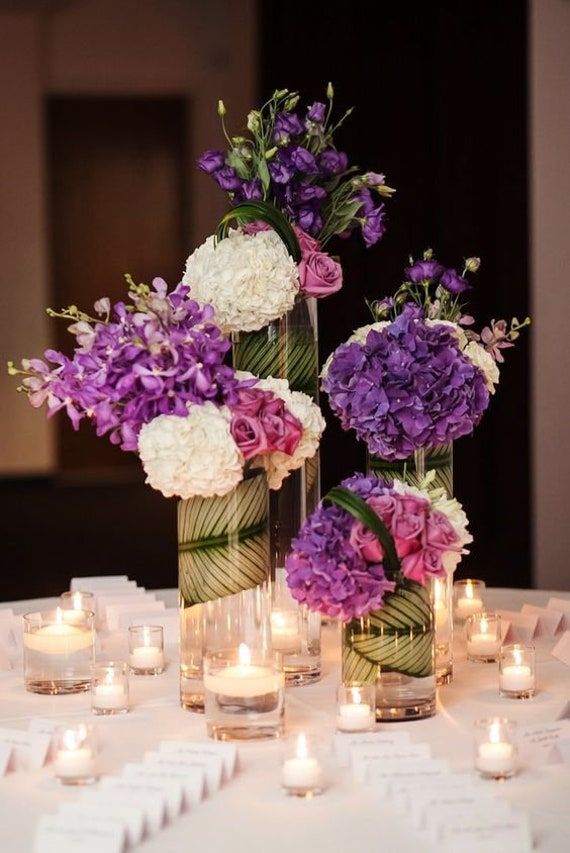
x=74, y=758
x=244, y=680
x=483, y=645
x=517, y=671
x=109, y=696
x=146, y=657
x=483, y=634
x=146, y=649
x=465, y=607
x=285, y=636
x=496, y=758
x=496, y=753
x=302, y=772
x=516, y=678
x=354, y=718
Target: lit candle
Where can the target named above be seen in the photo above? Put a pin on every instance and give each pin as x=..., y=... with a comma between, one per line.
x=244, y=680
x=517, y=677
x=468, y=604
x=302, y=772
x=147, y=656
x=355, y=716
x=495, y=757
x=59, y=638
x=484, y=643
x=110, y=693
x=285, y=631
x=74, y=760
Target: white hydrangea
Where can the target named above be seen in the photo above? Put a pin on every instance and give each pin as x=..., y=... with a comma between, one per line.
x=278, y=464
x=250, y=279
x=358, y=337
x=485, y=362
x=191, y=456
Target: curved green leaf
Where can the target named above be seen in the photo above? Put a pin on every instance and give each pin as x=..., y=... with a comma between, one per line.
x=264, y=211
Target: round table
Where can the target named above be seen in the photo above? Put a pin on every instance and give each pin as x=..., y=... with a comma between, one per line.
x=251, y=814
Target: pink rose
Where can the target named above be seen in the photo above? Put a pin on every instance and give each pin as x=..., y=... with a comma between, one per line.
x=252, y=228
x=307, y=244
x=249, y=435
x=250, y=401
x=440, y=533
x=413, y=567
x=413, y=504
x=384, y=506
x=433, y=562
x=282, y=429
x=366, y=543
x=319, y=274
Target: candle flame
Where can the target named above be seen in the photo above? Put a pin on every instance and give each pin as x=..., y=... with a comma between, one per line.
x=356, y=696
x=302, y=750
x=469, y=590
x=484, y=625
x=244, y=655
x=495, y=732
x=278, y=619
x=77, y=602
x=517, y=657
x=71, y=739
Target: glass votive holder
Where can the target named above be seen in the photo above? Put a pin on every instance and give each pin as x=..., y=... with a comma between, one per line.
x=75, y=761
x=58, y=651
x=496, y=748
x=302, y=774
x=73, y=602
x=356, y=707
x=483, y=633
x=109, y=688
x=244, y=694
x=146, y=649
x=517, y=671
x=468, y=597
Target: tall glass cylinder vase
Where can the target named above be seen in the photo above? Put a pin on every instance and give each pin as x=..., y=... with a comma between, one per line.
x=288, y=349
x=412, y=470
x=223, y=549
x=394, y=649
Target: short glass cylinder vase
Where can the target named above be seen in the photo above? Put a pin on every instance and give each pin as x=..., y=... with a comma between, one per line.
x=146, y=649
x=517, y=671
x=355, y=707
x=296, y=634
x=413, y=470
x=75, y=757
x=483, y=636
x=243, y=679
x=443, y=613
x=496, y=754
x=468, y=598
x=58, y=653
x=109, y=688
x=394, y=649
x=223, y=549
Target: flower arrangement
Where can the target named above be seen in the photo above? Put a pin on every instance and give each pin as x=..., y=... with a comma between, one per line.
x=291, y=191
x=150, y=374
x=350, y=555
x=417, y=377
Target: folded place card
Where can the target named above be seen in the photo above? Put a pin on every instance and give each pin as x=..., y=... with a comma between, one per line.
x=92, y=583
x=522, y=625
x=150, y=616
x=226, y=751
x=405, y=792
x=42, y=726
x=113, y=611
x=131, y=817
x=556, y=603
x=364, y=759
x=537, y=742
x=190, y=778
x=57, y=834
x=549, y=620
x=170, y=784
x=561, y=650
x=509, y=834
x=464, y=796
x=342, y=743
x=96, y=799
x=148, y=795
x=170, y=621
x=208, y=771
x=383, y=774
x=491, y=809
x=28, y=749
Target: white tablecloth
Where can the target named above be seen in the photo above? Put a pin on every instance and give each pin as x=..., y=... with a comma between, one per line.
x=251, y=815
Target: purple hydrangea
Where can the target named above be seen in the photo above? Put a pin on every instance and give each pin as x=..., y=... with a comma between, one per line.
x=150, y=358
x=408, y=386
x=325, y=572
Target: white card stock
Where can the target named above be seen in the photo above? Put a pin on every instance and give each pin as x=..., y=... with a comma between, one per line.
x=130, y=817
x=405, y=791
x=170, y=621
x=538, y=742
x=343, y=743
x=5, y=755
x=384, y=774
x=226, y=751
x=561, y=650
x=466, y=797
x=170, y=784
x=57, y=834
x=480, y=813
x=40, y=726
x=94, y=582
x=29, y=750
x=509, y=834
x=549, y=620
x=209, y=769
x=108, y=800
x=148, y=795
x=142, y=605
x=365, y=759
x=189, y=779
x=523, y=625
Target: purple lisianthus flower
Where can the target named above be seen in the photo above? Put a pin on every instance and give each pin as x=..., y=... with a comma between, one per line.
x=453, y=282
x=280, y=172
x=374, y=227
x=304, y=193
x=408, y=386
x=309, y=219
x=211, y=161
x=303, y=160
x=287, y=125
x=228, y=179
x=366, y=200
x=374, y=179
x=317, y=112
x=423, y=271
x=252, y=190
x=333, y=162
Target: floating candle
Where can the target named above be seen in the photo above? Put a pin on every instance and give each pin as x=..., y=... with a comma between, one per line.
x=244, y=680
x=59, y=638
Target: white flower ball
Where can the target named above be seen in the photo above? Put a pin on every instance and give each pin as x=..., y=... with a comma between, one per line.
x=485, y=362
x=250, y=279
x=191, y=456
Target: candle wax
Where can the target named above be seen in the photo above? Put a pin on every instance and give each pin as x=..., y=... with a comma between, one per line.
x=465, y=607
x=483, y=645
x=301, y=773
x=495, y=757
x=354, y=718
x=74, y=763
x=285, y=631
x=109, y=697
x=59, y=639
x=244, y=680
x=516, y=678
x=146, y=657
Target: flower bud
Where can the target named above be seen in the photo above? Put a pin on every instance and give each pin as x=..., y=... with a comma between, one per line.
x=291, y=103
x=330, y=91
x=472, y=264
x=428, y=254
x=271, y=152
x=253, y=121
x=280, y=93
x=221, y=108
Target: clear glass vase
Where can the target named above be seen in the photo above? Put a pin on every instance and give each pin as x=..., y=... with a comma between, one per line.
x=412, y=470
x=394, y=649
x=288, y=349
x=223, y=549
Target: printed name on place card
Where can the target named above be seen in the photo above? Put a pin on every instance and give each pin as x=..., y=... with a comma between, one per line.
x=28, y=749
x=170, y=784
x=342, y=743
x=549, y=621
x=148, y=795
x=190, y=778
x=130, y=817
x=405, y=792
x=226, y=751
x=365, y=758
x=537, y=742
x=62, y=835
x=467, y=797
x=492, y=809
x=206, y=772
x=383, y=774
x=509, y=835
x=96, y=800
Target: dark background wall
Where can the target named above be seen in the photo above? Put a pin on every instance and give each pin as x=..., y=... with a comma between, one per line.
x=440, y=98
